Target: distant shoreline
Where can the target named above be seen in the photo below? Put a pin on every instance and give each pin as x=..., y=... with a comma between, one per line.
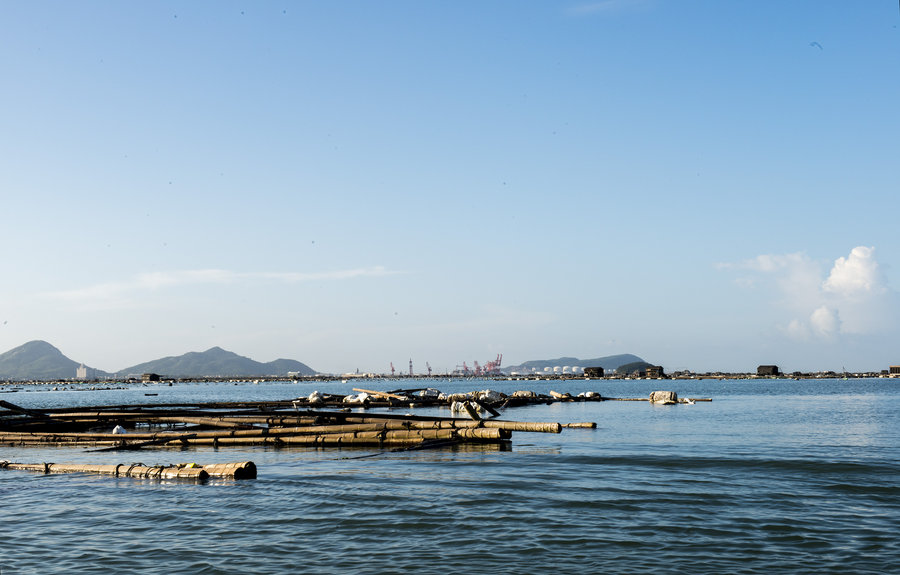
x=530, y=377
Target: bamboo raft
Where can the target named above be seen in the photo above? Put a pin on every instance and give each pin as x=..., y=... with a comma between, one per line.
x=301, y=422
x=133, y=427
x=294, y=422
x=189, y=471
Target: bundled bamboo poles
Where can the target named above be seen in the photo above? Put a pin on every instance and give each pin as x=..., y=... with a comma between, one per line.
x=242, y=470
x=364, y=434
x=275, y=423
x=167, y=426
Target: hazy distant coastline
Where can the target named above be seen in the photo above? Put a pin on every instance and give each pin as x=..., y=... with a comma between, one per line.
x=40, y=362
x=113, y=381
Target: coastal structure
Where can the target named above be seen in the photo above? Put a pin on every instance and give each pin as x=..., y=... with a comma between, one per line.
x=656, y=372
x=894, y=371
x=767, y=370
x=84, y=372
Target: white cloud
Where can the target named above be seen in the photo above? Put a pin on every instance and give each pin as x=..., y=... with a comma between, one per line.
x=376, y=271
x=796, y=275
x=856, y=274
x=825, y=322
x=798, y=330
x=116, y=295
x=857, y=288
x=852, y=299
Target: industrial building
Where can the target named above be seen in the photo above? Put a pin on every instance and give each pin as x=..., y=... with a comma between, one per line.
x=767, y=370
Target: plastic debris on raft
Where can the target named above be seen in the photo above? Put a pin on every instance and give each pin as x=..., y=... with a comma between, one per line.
x=460, y=407
x=315, y=397
x=429, y=393
x=359, y=398
x=489, y=395
x=119, y=430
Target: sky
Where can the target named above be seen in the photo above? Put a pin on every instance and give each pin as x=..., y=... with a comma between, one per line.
x=710, y=185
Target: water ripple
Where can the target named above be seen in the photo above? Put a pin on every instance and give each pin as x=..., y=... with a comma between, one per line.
x=775, y=482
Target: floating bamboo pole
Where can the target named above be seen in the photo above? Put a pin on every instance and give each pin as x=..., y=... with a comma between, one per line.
x=242, y=470
x=374, y=437
x=389, y=419
x=458, y=423
x=149, y=416
x=541, y=427
x=370, y=434
x=471, y=411
x=21, y=410
x=136, y=470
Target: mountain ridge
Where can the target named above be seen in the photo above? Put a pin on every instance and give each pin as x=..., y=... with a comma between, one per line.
x=40, y=360
x=217, y=362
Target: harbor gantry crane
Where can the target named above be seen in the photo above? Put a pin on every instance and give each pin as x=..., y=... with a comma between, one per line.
x=392, y=369
x=493, y=367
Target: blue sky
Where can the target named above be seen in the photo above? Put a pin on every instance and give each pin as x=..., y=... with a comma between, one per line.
x=709, y=185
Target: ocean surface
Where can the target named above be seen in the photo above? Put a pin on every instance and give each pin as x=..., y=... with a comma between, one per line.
x=772, y=476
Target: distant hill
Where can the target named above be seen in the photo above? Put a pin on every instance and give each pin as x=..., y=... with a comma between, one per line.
x=217, y=362
x=38, y=360
x=608, y=363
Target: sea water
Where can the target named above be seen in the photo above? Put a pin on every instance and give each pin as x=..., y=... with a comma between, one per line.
x=773, y=476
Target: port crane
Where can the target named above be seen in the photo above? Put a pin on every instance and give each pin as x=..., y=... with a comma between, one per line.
x=489, y=368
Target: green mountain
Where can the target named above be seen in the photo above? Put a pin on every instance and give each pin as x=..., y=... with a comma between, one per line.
x=217, y=362
x=37, y=360
x=608, y=363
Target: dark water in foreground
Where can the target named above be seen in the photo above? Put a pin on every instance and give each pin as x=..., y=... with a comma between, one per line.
x=774, y=476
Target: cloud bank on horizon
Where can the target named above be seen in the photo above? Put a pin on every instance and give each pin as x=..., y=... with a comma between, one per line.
x=850, y=298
